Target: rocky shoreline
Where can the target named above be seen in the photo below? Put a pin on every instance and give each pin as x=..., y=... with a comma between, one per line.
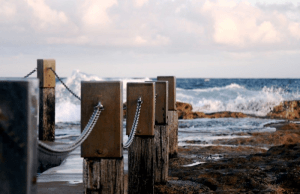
x=264, y=163
x=287, y=110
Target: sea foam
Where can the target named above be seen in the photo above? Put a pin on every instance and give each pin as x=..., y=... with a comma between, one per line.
x=68, y=107
x=235, y=98
x=232, y=97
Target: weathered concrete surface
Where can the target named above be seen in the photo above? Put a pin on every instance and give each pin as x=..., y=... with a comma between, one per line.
x=161, y=154
x=173, y=133
x=18, y=136
x=107, y=136
x=147, y=114
x=60, y=188
x=141, y=165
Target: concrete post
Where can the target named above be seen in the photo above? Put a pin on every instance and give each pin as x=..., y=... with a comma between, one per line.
x=103, y=165
x=47, y=99
x=172, y=115
x=18, y=136
x=161, y=138
x=141, y=151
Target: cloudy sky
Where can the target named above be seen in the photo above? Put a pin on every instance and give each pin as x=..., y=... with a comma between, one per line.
x=146, y=38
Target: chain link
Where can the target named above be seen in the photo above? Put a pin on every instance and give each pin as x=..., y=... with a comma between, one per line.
x=134, y=124
x=86, y=132
x=65, y=85
x=29, y=74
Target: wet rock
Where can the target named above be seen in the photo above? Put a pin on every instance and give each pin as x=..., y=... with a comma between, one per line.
x=274, y=171
x=286, y=133
x=185, y=112
x=286, y=110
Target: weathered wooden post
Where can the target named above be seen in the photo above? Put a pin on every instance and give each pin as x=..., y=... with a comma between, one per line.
x=161, y=137
x=18, y=136
x=47, y=99
x=140, y=153
x=103, y=165
x=172, y=115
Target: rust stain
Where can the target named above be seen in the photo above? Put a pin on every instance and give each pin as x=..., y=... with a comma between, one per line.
x=2, y=117
x=34, y=179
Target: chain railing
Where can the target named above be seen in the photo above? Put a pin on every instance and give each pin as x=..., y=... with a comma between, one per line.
x=134, y=124
x=87, y=130
x=65, y=84
x=29, y=74
x=90, y=124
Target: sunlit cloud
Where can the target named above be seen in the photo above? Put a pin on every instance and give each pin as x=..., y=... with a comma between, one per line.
x=230, y=29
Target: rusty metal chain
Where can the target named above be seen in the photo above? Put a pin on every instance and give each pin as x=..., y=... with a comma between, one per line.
x=65, y=84
x=29, y=74
x=84, y=135
x=134, y=124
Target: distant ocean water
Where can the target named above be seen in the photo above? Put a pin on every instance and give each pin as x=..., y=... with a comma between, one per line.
x=252, y=96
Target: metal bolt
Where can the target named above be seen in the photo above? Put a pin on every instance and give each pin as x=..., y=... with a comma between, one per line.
x=99, y=151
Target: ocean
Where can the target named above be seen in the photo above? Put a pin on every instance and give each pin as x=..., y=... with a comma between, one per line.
x=251, y=96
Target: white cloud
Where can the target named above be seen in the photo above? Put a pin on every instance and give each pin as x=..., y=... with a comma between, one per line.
x=140, y=3
x=139, y=40
x=294, y=29
x=46, y=17
x=173, y=26
x=242, y=25
x=79, y=40
x=95, y=13
x=7, y=9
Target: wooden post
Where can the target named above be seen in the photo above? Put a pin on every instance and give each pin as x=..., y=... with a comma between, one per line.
x=141, y=152
x=18, y=135
x=103, y=165
x=172, y=115
x=47, y=99
x=161, y=138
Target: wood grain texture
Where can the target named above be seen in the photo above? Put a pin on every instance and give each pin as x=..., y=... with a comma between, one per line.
x=161, y=154
x=173, y=133
x=147, y=115
x=141, y=166
x=47, y=114
x=103, y=176
x=171, y=90
x=106, y=138
x=44, y=74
